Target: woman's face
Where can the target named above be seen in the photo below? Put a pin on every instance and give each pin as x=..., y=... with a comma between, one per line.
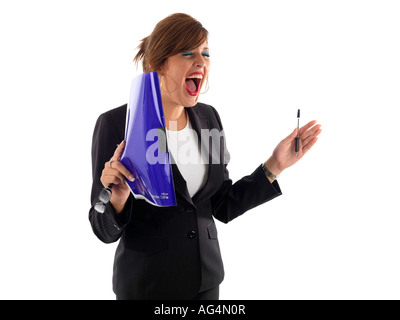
x=183, y=75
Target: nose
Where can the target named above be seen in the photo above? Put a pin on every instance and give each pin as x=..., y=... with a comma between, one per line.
x=200, y=62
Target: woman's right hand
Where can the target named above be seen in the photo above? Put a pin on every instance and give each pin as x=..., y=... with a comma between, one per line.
x=115, y=172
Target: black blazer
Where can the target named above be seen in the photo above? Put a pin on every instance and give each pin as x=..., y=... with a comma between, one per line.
x=171, y=252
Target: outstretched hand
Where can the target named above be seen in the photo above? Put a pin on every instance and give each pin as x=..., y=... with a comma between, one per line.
x=284, y=154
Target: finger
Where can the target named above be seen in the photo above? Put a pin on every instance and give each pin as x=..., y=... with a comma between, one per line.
x=310, y=134
x=316, y=133
x=306, y=141
x=303, y=130
x=311, y=131
x=118, y=152
x=309, y=145
x=112, y=176
x=123, y=170
x=107, y=180
x=291, y=136
x=307, y=126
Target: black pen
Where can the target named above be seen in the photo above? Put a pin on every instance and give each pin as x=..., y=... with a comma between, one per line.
x=297, y=138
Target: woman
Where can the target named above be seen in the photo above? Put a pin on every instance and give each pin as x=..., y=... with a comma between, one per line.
x=173, y=252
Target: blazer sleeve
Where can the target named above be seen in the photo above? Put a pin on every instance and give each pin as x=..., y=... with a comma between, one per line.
x=107, y=226
x=234, y=199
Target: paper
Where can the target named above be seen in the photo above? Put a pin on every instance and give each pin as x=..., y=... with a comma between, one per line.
x=146, y=153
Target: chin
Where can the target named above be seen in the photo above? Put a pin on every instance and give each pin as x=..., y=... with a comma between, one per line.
x=190, y=101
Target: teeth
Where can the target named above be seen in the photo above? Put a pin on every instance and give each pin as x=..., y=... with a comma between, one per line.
x=195, y=76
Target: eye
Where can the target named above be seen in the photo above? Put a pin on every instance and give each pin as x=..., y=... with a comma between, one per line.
x=206, y=54
x=188, y=53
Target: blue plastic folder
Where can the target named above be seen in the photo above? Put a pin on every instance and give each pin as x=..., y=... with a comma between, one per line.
x=146, y=153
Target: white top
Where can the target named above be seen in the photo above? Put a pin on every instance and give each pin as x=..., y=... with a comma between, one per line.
x=185, y=150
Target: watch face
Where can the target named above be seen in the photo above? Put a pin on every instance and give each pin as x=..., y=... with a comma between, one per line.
x=269, y=173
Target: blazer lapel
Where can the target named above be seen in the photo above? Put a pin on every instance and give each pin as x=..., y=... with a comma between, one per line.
x=198, y=122
x=180, y=184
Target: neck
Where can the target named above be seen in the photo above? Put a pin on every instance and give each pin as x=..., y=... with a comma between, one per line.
x=176, y=115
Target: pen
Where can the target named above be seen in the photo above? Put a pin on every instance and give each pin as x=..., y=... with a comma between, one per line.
x=297, y=138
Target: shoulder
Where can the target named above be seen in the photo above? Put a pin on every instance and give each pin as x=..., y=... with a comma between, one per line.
x=113, y=121
x=203, y=110
x=115, y=114
x=206, y=111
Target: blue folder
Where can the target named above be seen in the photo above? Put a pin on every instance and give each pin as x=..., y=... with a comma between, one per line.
x=146, y=153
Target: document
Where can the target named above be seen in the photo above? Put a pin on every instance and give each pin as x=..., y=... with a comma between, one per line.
x=146, y=153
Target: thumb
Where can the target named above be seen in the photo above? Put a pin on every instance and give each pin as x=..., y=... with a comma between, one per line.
x=118, y=152
x=292, y=135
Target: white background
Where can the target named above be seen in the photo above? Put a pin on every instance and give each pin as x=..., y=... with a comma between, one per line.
x=333, y=234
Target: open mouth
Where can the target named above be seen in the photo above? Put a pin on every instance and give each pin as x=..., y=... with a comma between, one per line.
x=193, y=83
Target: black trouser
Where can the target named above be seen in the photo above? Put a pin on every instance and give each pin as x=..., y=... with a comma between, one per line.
x=210, y=294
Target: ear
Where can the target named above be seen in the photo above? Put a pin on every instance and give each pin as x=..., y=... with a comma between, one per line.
x=161, y=70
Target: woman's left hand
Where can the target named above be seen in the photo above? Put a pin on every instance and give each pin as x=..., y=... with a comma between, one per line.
x=284, y=154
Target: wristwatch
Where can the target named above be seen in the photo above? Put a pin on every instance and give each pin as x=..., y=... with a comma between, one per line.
x=269, y=173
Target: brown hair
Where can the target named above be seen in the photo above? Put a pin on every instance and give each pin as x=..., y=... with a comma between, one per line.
x=176, y=33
